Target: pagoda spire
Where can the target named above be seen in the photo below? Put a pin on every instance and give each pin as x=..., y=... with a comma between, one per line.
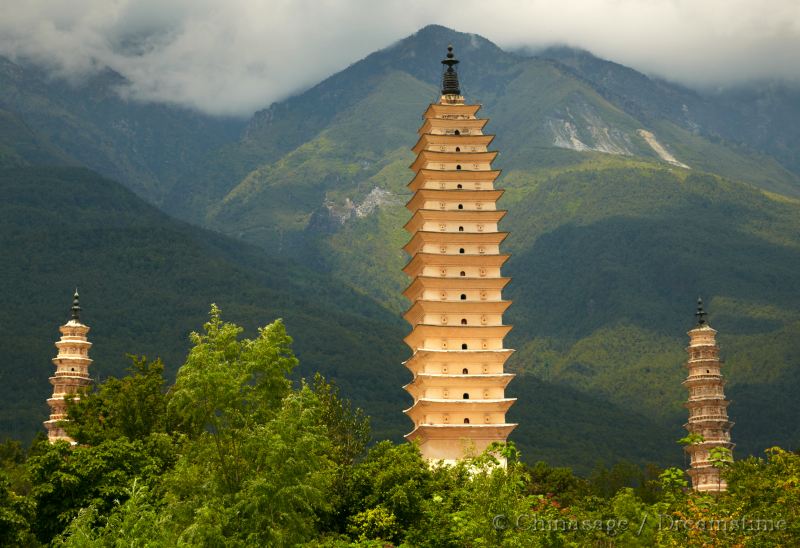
x=450, y=85
x=708, y=408
x=701, y=313
x=456, y=312
x=72, y=371
x=76, y=306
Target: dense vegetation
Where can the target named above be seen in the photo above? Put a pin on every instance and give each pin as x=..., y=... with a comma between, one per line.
x=236, y=454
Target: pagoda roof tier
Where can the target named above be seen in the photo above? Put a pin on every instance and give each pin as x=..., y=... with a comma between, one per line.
x=72, y=342
x=457, y=431
x=422, y=237
x=425, y=194
x=422, y=355
x=717, y=423
x=718, y=400
x=422, y=331
x=420, y=260
x=55, y=400
x=706, y=398
x=424, y=215
x=434, y=156
x=77, y=360
x=436, y=110
x=424, y=175
x=71, y=378
x=428, y=380
x=421, y=283
x=444, y=123
x=431, y=139
x=704, y=380
x=456, y=307
x=706, y=443
x=422, y=405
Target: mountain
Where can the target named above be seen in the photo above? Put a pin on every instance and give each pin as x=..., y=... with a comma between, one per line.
x=760, y=115
x=146, y=146
x=622, y=209
x=619, y=217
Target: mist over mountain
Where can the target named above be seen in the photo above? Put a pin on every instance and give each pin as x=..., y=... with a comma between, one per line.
x=235, y=60
x=627, y=195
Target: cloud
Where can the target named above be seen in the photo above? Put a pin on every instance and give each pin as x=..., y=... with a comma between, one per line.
x=237, y=56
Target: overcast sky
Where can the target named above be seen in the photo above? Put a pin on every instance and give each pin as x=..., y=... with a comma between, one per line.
x=236, y=56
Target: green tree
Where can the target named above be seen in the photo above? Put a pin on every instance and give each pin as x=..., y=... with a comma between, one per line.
x=228, y=386
x=134, y=406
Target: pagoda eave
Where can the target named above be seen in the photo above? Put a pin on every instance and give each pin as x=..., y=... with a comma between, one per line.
x=423, y=355
x=420, y=332
x=455, y=307
x=427, y=140
x=424, y=176
x=425, y=194
x=420, y=283
x=422, y=216
x=428, y=380
x=421, y=238
x=435, y=157
x=420, y=260
x=492, y=432
x=466, y=126
x=439, y=110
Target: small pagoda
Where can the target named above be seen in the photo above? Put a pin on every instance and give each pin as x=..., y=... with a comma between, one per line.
x=456, y=286
x=708, y=408
x=72, y=371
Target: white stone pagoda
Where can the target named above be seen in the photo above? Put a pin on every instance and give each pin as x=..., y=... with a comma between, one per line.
x=456, y=286
x=72, y=371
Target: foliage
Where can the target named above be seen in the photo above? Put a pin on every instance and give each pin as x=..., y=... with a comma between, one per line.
x=134, y=406
x=236, y=454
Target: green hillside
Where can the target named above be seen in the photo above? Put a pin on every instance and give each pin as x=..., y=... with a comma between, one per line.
x=147, y=280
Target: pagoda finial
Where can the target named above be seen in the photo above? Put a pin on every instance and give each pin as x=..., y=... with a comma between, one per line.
x=450, y=84
x=76, y=306
x=701, y=313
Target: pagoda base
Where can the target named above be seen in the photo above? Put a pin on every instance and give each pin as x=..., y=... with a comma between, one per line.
x=448, y=444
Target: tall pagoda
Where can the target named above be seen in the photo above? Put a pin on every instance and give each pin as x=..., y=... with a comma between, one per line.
x=72, y=371
x=456, y=289
x=708, y=408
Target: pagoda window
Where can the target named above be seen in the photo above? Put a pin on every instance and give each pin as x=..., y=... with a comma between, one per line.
x=461, y=229
x=465, y=371
x=466, y=421
x=466, y=396
x=461, y=250
x=457, y=132
x=464, y=346
x=463, y=297
x=458, y=166
x=458, y=149
x=463, y=273
x=460, y=206
x=463, y=321
x=459, y=185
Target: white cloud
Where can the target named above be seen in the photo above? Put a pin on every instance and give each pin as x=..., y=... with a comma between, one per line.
x=236, y=56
